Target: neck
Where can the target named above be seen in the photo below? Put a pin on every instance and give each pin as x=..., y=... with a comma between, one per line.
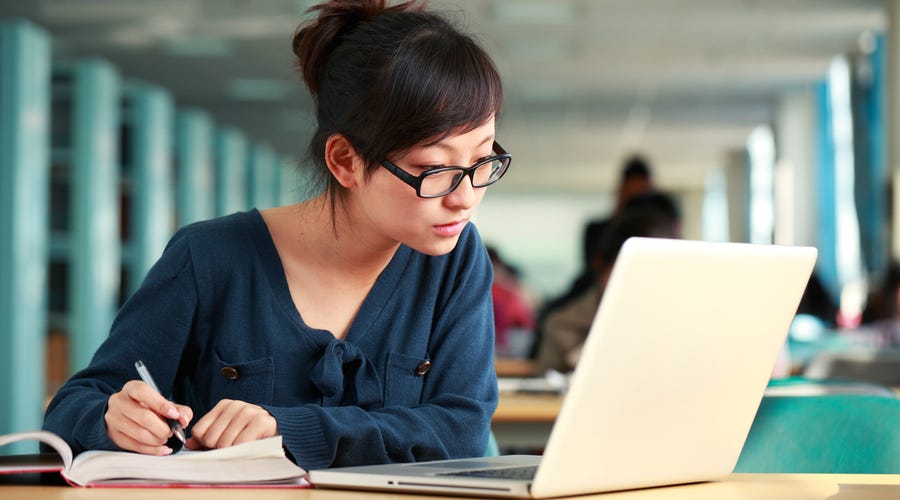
x=338, y=241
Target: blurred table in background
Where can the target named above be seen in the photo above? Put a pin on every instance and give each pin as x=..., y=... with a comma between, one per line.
x=522, y=422
x=512, y=367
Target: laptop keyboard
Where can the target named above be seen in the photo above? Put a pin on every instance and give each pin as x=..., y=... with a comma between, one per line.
x=524, y=472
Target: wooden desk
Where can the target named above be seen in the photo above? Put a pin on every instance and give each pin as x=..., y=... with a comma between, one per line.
x=737, y=487
x=523, y=421
x=508, y=367
x=517, y=407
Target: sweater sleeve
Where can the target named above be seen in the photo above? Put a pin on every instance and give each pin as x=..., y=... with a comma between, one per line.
x=458, y=397
x=152, y=326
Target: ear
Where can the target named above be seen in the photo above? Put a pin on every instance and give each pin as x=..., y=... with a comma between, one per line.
x=342, y=161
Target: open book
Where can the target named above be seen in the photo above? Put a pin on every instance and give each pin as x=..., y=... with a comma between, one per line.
x=255, y=463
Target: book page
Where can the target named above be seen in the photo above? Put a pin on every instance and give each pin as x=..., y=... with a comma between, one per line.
x=45, y=437
x=262, y=461
x=263, y=448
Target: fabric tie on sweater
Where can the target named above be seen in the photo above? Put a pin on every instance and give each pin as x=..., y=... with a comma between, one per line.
x=345, y=377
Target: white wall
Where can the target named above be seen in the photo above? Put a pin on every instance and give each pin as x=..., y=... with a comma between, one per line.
x=542, y=234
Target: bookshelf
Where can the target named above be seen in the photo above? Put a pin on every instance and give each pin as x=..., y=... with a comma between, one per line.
x=194, y=175
x=230, y=166
x=24, y=170
x=84, y=207
x=263, y=177
x=146, y=184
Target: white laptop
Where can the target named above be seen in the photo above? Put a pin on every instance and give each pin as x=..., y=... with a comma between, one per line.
x=669, y=381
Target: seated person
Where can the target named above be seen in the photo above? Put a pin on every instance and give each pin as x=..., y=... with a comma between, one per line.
x=356, y=325
x=514, y=316
x=565, y=329
x=636, y=181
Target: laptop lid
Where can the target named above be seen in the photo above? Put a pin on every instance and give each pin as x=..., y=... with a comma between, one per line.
x=674, y=368
x=669, y=380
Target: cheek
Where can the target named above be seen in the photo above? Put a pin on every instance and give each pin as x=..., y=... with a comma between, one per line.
x=394, y=204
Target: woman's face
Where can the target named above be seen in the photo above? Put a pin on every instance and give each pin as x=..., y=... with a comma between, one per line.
x=429, y=225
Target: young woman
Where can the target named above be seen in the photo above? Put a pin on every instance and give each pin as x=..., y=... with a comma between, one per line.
x=356, y=325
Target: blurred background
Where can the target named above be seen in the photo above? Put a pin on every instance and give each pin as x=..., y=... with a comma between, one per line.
x=767, y=121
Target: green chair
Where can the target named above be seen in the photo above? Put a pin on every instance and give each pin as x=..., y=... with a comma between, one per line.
x=493, y=449
x=835, y=433
x=802, y=386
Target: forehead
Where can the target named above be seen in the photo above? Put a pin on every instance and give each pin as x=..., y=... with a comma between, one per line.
x=468, y=137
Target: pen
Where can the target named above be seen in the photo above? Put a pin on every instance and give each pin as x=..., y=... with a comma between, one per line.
x=175, y=425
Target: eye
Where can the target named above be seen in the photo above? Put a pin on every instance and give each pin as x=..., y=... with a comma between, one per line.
x=425, y=168
x=485, y=157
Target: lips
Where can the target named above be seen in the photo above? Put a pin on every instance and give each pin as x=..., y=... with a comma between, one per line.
x=451, y=229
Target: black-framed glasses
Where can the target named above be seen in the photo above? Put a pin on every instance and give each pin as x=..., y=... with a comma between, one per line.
x=442, y=181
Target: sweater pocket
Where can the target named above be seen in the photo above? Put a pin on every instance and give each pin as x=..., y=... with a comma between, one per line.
x=404, y=378
x=251, y=381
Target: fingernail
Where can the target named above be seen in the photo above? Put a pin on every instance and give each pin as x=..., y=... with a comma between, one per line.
x=171, y=412
x=167, y=451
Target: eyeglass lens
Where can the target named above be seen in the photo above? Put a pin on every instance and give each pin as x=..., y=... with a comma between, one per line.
x=444, y=182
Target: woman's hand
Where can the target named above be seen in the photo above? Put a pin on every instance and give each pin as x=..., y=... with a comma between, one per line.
x=232, y=422
x=135, y=419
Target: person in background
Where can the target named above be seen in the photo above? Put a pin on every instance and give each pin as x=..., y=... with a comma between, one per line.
x=883, y=302
x=356, y=325
x=566, y=328
x=882, y=312
x=636, y=178
x=514, y=317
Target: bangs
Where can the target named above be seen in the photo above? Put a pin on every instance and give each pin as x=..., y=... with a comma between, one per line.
x=440, y=85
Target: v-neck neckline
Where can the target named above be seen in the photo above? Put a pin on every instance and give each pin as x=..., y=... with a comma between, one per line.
x=370, y=310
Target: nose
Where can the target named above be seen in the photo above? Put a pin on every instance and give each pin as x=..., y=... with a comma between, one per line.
x=464, y=196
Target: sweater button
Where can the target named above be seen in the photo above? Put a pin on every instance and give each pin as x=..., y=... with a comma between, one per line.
x=423, y=368
x=230, y=373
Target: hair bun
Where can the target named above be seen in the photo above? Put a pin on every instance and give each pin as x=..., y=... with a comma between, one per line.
x=314, y=40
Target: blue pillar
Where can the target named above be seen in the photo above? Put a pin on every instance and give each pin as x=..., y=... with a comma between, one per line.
x=826, y=265
x=230, y=171
x=294, y=184
x=288, y=187
x=871, y=172
x=194, y=168
x=278, y=180
x=261, y=177
x=85, y=142
x=148, y=124
x=24, y=166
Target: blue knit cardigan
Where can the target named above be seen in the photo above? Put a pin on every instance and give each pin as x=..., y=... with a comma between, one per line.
x=413, y=380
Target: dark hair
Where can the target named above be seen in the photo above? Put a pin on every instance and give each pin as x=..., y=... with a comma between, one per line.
x=657, y=200
x=390, y=78
x=643, y=221
x=635, y=166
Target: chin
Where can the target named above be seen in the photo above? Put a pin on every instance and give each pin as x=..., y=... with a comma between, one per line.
x=437, y=248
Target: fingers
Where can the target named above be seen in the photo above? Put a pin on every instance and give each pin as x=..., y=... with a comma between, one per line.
x=127, y=442
x=135, y=419
x=193, y=444
x=185, y=415
x=145, y=395
x=233, y=422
